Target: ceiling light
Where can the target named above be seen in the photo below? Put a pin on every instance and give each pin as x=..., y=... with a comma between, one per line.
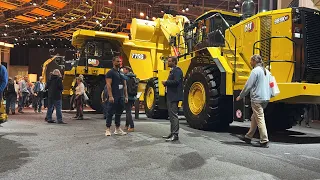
x=53, y=14
x=6, y=25
x=187, y=9
x=35, y=32
x=38, y=45
x=5, y=34
x=97, y=22
x=183, y=10
x=87, y=2
x=153, y=18
x=110, y=2
x=150, y=5
x=100, y=25
x=103, y=17
x=34, y=4
x=129, y=9
x=147, y=17
x=84, y=17
x=53, y=17
x=16, y=39
x=237, y=5
x=141, y=14
x=110, y=17
x=162, y=11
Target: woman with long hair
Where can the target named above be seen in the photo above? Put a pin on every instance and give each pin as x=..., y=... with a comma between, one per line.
x=79, y=98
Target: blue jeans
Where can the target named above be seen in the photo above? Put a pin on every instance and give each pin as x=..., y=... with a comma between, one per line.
x=11, y=103
x=22, y=100
x=57, y=104
x=104, y=107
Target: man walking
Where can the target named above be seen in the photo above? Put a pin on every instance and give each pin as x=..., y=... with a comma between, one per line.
x=117, y=95
x=24, y=93
x=55, y=89
x=132, y=88
x=11, y=97
x=259, y=88
x=174, y=95
x=38, y=93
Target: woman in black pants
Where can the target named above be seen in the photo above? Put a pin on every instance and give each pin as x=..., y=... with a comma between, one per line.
x=79, y=99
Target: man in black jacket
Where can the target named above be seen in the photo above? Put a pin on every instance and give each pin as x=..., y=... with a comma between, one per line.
x=174, y=95
x=55, y=88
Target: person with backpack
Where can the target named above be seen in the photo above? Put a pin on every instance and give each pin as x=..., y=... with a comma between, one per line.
x=132, y=88
x=11, y=97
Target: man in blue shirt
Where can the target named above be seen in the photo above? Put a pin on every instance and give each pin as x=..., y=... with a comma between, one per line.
x=38, y=92
x=117, y=96
x=3, y=81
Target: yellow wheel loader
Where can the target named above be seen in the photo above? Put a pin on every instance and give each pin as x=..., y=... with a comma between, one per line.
x=214, y=54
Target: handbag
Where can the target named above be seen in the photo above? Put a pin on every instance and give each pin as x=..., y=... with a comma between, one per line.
x=86, y=98
x=274, y=86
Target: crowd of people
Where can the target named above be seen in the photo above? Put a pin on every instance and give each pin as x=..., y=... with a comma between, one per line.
x=20, y=91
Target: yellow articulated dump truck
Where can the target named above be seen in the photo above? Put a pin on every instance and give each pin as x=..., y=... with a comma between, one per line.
x=214, y=54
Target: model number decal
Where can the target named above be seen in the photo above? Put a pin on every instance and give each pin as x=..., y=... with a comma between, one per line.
x=281, y=19
x=249, y=27
x=138, y=56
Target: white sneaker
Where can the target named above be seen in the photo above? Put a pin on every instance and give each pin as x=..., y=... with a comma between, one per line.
x=108, y=132
x=119, y=132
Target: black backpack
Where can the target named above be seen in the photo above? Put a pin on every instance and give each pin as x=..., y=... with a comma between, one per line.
x=132, y=86
x=11, y=88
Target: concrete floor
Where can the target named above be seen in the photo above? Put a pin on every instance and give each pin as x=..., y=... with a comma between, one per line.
x=33, y=149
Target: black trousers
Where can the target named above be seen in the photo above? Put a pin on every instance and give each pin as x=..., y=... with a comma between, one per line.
x=173, y=115
x=79, y=104
x=38, y=101
x=129, y=120
x=116, y=109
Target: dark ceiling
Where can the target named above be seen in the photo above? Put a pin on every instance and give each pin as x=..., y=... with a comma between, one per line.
x=55, y=21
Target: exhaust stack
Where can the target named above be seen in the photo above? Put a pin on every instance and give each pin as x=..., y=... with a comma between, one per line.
x=248, y=8
x=265, y=5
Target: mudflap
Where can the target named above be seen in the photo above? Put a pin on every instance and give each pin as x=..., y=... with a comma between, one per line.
x=242, y=109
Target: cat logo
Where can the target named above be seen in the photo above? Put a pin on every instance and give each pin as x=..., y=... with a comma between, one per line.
x=249, y=27
x=93, y=62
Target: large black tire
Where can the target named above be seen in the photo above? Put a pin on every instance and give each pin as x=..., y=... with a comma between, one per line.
x=216, y=111
x=95, y=100
x=154, y=111
x=281, y=116
x=66, y=102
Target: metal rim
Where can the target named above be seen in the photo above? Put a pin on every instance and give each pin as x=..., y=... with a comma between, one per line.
x=196, y=98
x=150, y=97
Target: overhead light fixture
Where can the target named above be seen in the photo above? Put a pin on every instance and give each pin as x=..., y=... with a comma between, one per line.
x=103, y=17
x=5, y=34
x=109, y=2
x=187, y=9
x=162, y=11
x=141, y=14
x=129, y=9
x=6, y=25
x=16, y=39
x=34, y=4
x=84, y=17
x=237, y=5
x=97, y=22
x=53, y=14
x=150, y=5
x=147, y=17
x=154, y=18
x=110, y=17
x=53, y=17
x=100, y=25
x=35, y=32
x=183, y=10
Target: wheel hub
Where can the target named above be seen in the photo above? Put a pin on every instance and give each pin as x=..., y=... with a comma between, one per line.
x=150, y=97
x=196, y=98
